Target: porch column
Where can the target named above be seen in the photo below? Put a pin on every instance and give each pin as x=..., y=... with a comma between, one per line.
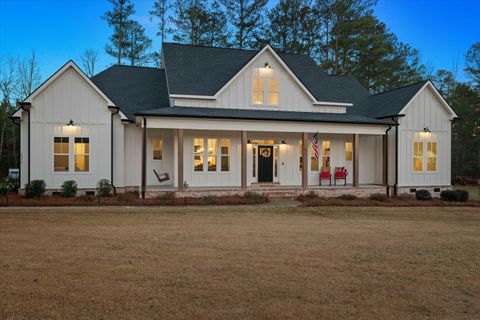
x=144, y=157
x=304, y=160
x=180, y=160
x=356, y=143
x=243, y=161
x=385, y=159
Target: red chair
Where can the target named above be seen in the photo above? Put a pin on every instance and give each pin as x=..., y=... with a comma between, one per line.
x=325, y=175
x=341, y=173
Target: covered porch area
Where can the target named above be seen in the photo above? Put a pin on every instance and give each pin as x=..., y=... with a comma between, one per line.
x=219, y=157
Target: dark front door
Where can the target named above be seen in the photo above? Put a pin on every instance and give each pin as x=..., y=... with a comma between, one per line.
x=265, y=164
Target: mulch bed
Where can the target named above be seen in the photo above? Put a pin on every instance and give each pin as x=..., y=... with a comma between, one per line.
x=127, y=199
x=390, y=202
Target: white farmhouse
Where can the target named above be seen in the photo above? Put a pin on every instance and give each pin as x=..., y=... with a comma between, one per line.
x=227, y=120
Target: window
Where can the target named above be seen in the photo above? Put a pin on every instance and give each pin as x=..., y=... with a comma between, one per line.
x=157, y=147
x=417, y=156
x=273, y=92
x=348, y=151
x=300, y=156
x=431, y=156
x=225, y=155
x=326, y=154
x=82, y=154
x=60, y=154
x=275, y=157
x=198, y=151
x=254, y=168
x=258, y=91
x=313, y=160
x=212, y=154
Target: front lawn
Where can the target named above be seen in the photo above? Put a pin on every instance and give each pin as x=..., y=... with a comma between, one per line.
x=244, y=263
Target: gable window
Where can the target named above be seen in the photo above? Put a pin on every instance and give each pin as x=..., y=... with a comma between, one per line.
x=225, y=155
x=61, y=154
x=258, y=91
x=326, y=154
x=82, y=154
x=265, y=90
x=431, y=156
x=418, y=156
x=273, y=92
x=198, y=151
x=348, y=151
x=157, y=146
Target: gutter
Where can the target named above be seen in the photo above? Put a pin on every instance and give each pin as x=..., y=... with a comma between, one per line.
x=395, y=186
x=386, y=162
x=117, y=110
x=27, y=110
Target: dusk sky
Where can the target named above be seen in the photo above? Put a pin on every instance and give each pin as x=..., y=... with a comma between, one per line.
x=441, y=30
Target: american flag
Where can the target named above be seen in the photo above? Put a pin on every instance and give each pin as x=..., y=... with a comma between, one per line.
x=315, y=145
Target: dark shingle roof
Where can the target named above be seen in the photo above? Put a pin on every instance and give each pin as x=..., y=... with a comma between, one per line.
x=134, y=89
x=247, y=114
x=387, y=103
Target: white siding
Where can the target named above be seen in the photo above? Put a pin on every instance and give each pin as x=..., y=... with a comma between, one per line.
x=238, y=94
x=425, y=111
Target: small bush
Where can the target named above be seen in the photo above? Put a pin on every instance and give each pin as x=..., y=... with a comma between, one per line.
x=423, y=195
x=126, y=197
x=378, y=197
x=167, y=196
x=347, y=197
x=69, y=189
x=4, y=190
x=35, y=189
x=311, y=195
x=406, y=196
x=104, y=188
x=463, y=195
x=449, y=195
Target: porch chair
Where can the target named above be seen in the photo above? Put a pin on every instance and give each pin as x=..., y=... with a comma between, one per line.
x=162, y=177
x=341, y=173
x=325, y=175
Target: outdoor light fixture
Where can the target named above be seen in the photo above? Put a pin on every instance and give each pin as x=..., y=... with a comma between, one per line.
x=283, y=142
x=266, y=65
x=426, y=130
x=70, y=123
x=249, y=142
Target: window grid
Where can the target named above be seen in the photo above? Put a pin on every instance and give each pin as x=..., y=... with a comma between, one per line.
x=157, y=146
x=61, y=154
x=225, y=155
x=82, y=154
x=418, y=156
x=348, y=151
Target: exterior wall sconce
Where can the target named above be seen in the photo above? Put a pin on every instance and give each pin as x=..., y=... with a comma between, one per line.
x=426, y=130
x=249, y=142
x=284, y=142
x=70, y=123
x=266, y=65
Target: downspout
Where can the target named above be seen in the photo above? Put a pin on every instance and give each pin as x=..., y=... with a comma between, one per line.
x=386, y=162
x=395, y=186
x=22, y=106
x=144, y=157
x=117, y=110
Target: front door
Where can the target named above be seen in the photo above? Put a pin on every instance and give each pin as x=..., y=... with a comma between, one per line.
x=265, y=163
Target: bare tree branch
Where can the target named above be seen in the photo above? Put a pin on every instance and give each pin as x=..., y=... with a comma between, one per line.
x=89, y=59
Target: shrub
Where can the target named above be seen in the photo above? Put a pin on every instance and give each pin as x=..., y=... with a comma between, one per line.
x=4, y=190
x=378, y=197
x=463, y=195
x=104, y=188
x=167, y=196
x=449, y=195
x=406, y=196
x=69, y=189
x=423, y=195
x=311, y=195
x=347, y=197
x=126, y=197
x=35, y=189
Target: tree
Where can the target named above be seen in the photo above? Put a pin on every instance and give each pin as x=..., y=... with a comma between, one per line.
x=445, y=82
x=88, y=60
x=118, y=19
x=217, y=32
x=472, y=62
x=190, y=22
x=160, y=13
x=137, y=44
x=246, y=18
x=28, y=75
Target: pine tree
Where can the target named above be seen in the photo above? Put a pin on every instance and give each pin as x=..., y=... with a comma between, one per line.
x=137, y=44
x=217, y=32
x=118, y=19
x=160, y=13
x=190, y=22
x=472, y=62
x=246, y=18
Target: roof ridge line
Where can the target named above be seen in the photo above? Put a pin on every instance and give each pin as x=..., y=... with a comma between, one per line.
x=398, y=88
x=212, y=47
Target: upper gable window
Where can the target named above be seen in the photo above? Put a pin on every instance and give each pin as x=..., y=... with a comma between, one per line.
x=265, y=89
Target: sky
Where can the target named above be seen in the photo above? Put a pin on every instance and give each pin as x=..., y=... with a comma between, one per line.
x=60, y=30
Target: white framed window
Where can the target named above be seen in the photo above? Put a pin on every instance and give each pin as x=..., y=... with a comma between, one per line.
x=431, y=156
x=212, y=154
x=157, y=147
x=313, y=160
x=348, y=151
x=417, y=156
x=61, y=154
x=225, y=155
x=82, y=154
x=198, y=154
x=273, y=92
x=254, y=161
x=258, y=91
x=325, y=154
x=265, y=89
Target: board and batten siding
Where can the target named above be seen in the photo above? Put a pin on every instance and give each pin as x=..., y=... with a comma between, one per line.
x=68, y=97
x=238, y=94
x=424, y=111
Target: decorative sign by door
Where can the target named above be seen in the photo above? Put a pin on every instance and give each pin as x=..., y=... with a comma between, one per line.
x=266, y=152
